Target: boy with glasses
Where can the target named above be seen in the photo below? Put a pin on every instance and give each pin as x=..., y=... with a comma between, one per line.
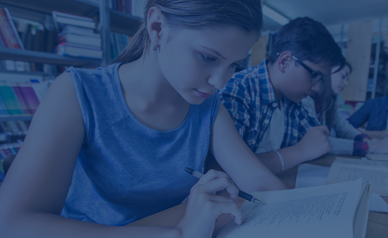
x=264, y=101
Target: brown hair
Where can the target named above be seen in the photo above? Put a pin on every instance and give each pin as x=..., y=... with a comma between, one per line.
x=195, y=14
x=326, y=101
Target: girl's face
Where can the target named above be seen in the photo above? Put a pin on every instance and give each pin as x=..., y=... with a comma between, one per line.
x=198, y=62
x=339, y=80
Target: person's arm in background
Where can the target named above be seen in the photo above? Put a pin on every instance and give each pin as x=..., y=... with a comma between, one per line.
x=343, y=128
x=361, y=116
x=380, y=135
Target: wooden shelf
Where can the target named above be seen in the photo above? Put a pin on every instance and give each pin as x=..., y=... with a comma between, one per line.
x=16, y=118
x=47, y=58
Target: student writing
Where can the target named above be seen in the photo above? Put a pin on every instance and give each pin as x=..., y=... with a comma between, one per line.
x=264, y=101
x=347, y=140
x=109, y=146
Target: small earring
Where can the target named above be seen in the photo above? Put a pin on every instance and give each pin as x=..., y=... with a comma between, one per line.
x=155, y=46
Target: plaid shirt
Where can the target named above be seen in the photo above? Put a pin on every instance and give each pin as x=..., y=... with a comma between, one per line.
x=250, y=99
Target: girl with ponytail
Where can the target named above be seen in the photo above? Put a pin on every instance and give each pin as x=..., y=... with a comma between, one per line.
x=108, y=146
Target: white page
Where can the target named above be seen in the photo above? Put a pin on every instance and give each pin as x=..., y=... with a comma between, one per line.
x=323, y=211
x=377, y=204
x=310, y=175
x=344, y=169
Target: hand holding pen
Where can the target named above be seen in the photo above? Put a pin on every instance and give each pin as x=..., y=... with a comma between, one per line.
x=242, y=194
x=204, y=206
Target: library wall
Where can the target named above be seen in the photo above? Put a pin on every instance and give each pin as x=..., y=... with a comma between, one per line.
x=358, y=54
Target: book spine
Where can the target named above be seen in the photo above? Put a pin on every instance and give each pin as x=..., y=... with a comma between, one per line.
x=3, y=31
x=14, y=31
x=12, y=39
x=40, y=89
x=30, y=97
x=10, y=100
x=20, y=99
x=3, y=107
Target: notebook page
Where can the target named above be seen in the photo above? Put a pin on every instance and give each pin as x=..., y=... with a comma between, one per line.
x=323, y=211
x=350, y=169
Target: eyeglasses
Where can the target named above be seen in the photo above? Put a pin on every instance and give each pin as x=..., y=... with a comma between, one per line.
x=316, y=76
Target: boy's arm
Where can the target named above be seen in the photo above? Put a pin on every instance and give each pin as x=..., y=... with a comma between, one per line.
x=313, y=145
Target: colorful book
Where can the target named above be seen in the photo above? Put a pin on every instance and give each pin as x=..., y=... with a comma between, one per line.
x=3, y=107
x=10, y=99
x=29, y=96
x=16, y=39
x=40, y=88
x=9, y=34
x=20, y=98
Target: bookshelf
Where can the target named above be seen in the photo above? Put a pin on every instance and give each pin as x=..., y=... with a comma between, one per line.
x=47, y=58
x=107, y=20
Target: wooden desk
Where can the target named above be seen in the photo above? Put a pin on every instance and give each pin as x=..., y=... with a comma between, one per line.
x=377, y=222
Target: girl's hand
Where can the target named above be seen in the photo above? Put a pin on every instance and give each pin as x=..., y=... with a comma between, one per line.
x=204, y=206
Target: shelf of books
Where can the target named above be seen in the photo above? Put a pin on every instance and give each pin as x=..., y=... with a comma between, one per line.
x=48, y=58
x=39, y=39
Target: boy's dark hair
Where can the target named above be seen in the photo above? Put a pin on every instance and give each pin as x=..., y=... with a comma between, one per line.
x=308, y=40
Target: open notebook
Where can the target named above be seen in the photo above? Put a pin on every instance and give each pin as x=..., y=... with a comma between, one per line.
x=337, y=210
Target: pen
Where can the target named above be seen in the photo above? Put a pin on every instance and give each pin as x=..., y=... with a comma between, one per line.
x=242, y=194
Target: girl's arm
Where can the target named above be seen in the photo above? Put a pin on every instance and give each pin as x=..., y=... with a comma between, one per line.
x=236, y=158
x=36, y=185
x=380, y=135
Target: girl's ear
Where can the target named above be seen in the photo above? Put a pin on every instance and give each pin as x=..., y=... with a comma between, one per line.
x=156, y=26
x=284, y=60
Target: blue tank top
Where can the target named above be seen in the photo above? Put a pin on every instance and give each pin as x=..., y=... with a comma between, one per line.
x=126, y=171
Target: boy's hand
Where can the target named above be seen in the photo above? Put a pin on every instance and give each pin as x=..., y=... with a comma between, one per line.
x=315, y=143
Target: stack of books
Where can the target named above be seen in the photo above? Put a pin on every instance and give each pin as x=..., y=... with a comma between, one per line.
x=17, y=99
x=77, y=37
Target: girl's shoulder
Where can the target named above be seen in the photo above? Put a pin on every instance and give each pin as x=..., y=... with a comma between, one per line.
x=100, y=73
